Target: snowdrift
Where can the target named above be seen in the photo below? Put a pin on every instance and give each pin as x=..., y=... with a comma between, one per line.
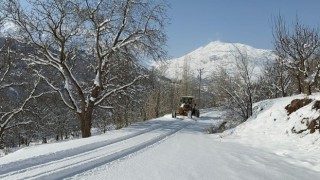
x=271, y=121
x=273, y=128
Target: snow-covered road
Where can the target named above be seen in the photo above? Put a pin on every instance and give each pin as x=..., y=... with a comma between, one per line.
x=64, y=164
x=163, y=148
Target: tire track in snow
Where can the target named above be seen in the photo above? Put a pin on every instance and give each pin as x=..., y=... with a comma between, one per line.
x=72, y=165
x=26, y=163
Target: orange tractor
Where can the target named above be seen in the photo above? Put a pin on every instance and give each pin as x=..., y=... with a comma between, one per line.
x=187, y=107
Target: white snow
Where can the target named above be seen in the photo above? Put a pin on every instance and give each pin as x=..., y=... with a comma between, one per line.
x=213, y=56
x=97, y=79
x=165, y=148
x=92, y=99
x=8, y=28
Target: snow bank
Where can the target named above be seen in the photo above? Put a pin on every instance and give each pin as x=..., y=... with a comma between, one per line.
x=271, y=128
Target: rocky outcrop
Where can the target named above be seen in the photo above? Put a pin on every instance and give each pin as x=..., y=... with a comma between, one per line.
x=297, y=104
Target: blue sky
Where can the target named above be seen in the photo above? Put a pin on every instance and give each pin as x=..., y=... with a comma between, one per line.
x=195, y=23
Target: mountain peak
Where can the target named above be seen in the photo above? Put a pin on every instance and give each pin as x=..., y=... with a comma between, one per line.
x=217, y=54
x=217, y=43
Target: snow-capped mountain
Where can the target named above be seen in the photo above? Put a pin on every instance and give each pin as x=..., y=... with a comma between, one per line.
x=215, y=55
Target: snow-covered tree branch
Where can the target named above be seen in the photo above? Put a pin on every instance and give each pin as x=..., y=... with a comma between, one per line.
x=84, y=42
x=7, y=118
x=236, y=89
x=298, y=48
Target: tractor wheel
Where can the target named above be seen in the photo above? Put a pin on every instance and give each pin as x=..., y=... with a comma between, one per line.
x=197, y=113
x=174, y=114
x=189, y=114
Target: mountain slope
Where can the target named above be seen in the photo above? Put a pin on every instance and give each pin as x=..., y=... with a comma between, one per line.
x=215, y=55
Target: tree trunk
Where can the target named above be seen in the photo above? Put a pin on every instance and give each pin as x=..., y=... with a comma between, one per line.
x=1, y=143
x=126, y=120
x=307, y=89
x=157, y=107
x=1, y=138
x=86, y=122
x=283, y=91
x=306, y=85
x=299, y=84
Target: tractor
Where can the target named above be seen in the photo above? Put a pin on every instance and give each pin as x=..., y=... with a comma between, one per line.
x=187, y=107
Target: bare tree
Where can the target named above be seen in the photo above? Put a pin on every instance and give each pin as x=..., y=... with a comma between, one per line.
x=111, y=32
x=245, y=71
x=276, y=81
x=161, y=93
x=11, y=80
x=236, y=89
x=298, y=49
x=186, y=83
x=7, y=118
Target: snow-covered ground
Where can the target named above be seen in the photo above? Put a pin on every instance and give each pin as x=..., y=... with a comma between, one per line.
x=213, y=56
x=167, y=148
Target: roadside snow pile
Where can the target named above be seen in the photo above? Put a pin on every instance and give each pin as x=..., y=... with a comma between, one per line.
x=289, y=117
x=286, y=126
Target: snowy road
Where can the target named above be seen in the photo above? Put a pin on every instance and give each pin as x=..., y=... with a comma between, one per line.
x=71, y=163
x=163, y=148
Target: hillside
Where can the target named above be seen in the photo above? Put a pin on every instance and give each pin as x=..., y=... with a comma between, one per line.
x=273, y=129
x=264, y=147
x=214, y=55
